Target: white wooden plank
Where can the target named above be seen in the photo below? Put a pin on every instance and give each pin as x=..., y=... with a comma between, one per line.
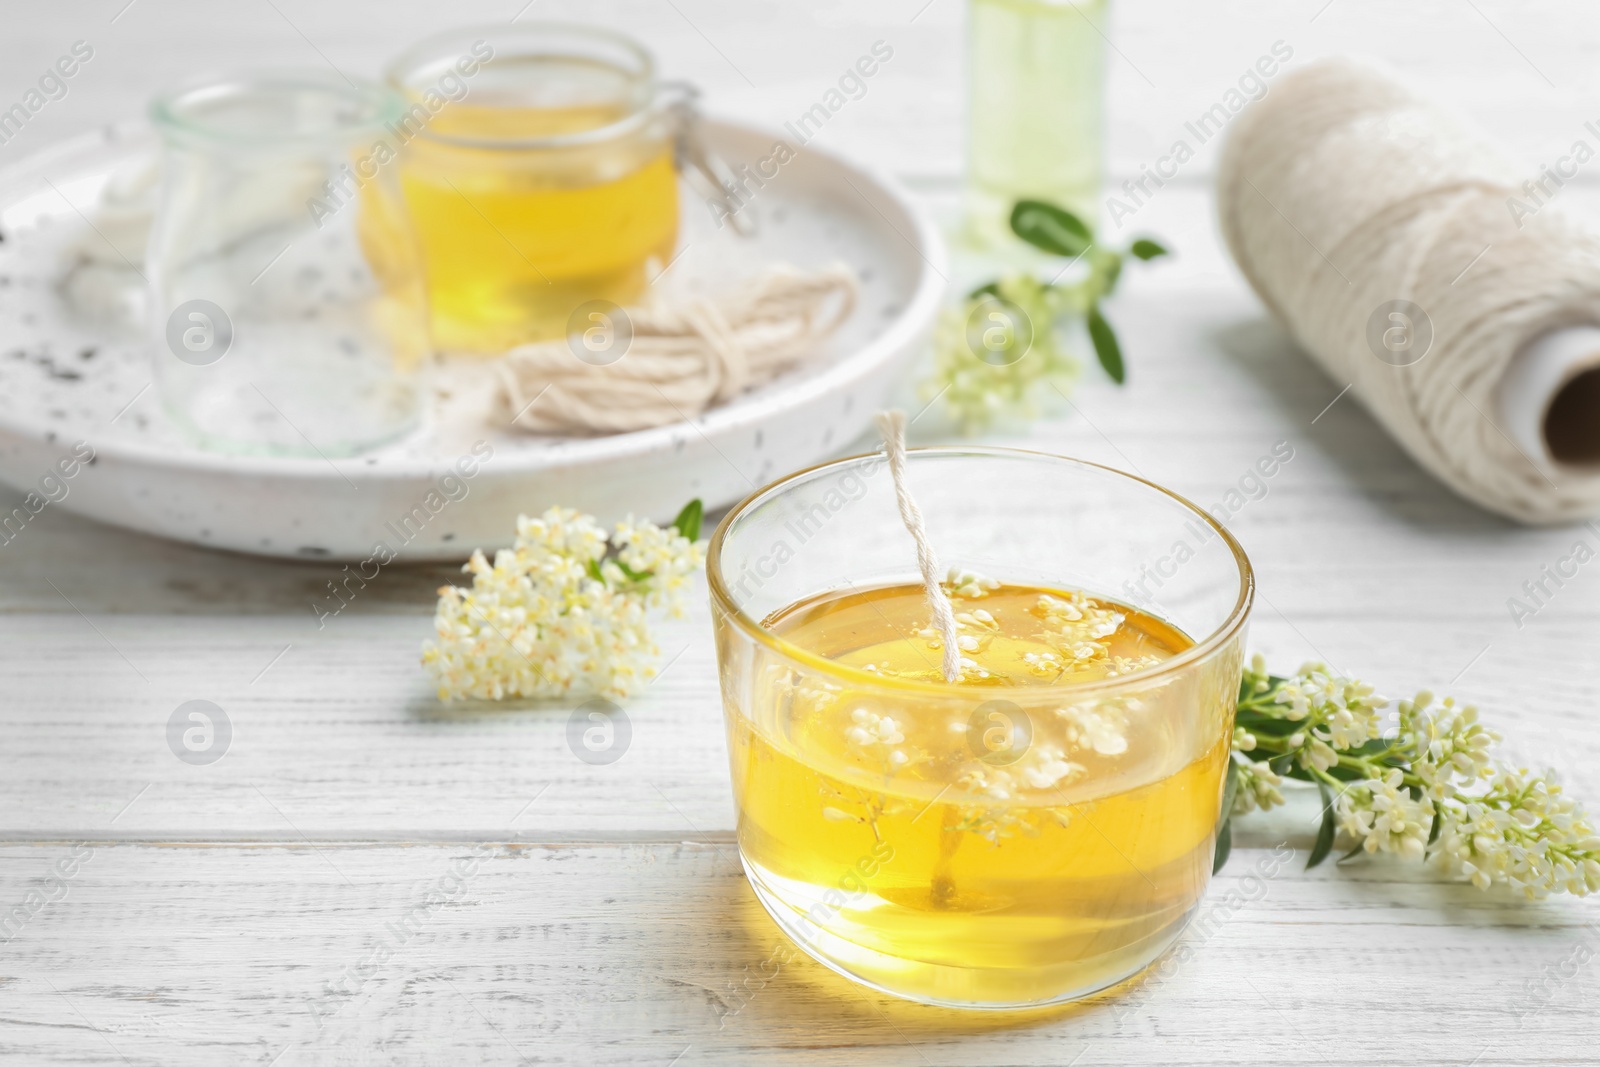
x=342, y=736
x=629, y=955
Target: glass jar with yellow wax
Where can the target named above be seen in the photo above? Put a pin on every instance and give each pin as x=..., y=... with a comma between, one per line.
x=1042, y=827
x=537, y=163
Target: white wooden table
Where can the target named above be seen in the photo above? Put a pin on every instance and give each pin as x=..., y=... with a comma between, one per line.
x=370, y=877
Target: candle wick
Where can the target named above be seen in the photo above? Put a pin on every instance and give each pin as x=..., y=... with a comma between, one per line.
x=892, y=424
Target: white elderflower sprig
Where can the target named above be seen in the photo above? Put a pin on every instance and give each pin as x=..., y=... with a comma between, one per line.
x=1007, y=343
x=1449, y=747
x=1522, y=831
x=969, y=585
x=1042, y=770
x=1342, y=712
x=1043, y=664
x=1120, y=666
x=878, y=735
x=564, y=610
x=1077, y=626
x=998, y=378
x=1257, y=787
x=1422, y=783
x=1096, y=727
x=1380, y=813
x=1047, y=767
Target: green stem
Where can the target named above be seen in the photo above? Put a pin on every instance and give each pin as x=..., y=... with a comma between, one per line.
x=1367, y=764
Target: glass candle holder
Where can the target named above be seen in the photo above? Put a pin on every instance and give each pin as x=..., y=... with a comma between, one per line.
x=538, y=165
x=289, y=312
x=1036, y=110
x=1044, y=827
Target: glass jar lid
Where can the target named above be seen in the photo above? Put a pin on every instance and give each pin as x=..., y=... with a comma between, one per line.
x=274, y=108
x=535, y=85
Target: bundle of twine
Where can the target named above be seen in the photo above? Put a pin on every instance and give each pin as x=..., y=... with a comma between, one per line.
x=671, y=360
x=1415, y=264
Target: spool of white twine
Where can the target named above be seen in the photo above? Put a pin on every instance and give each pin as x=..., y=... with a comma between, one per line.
x=1444, y=286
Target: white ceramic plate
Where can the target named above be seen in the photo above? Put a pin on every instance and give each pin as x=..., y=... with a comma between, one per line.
x=67, y=377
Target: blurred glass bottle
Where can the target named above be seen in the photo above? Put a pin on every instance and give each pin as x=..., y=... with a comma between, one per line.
x=1036, y=110
x=289, y=312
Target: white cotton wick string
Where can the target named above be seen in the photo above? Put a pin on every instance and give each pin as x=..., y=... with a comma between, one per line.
x=682, y=358
x=1340, y=194
x=892, y=424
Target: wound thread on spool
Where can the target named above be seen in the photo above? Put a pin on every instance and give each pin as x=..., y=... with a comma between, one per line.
x=1416, y=265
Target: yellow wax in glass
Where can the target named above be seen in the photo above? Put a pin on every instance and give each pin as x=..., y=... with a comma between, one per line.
x=514, y=238
x=1054, y=866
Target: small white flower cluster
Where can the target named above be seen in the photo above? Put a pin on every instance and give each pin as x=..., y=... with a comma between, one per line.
x=1042, y=664
x=981, y=621
x=1427, y=787
x=1048, y=767
x=1339, y=714
x=976, y=392
x=968, y=584
x=1077, y=626
x=1524, y=832
x=1449, y=747
x=869, y=730
x=1096, y=727
x=1042, y=767
x=554, y=614
x=1121, y=666
x=1380, y=814
x=1258, y=785
x=1497, y=824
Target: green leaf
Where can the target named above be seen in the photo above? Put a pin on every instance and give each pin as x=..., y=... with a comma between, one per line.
x=1230, y=789
x=1324, y=845
x=1300, y=773
x=688, y=521
x=632, y=575
x=1360, y=845
x=1147, y=249
x=1246, y=694
x=991, y=289
x=1265, y=725
x=1054, y=229
x=593, y=568
x=1111, y=267
x=1224, y=846
x=1106, y=348
x=1433, y=831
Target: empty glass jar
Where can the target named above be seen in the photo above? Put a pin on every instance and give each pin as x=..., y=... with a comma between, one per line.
x=289, y=311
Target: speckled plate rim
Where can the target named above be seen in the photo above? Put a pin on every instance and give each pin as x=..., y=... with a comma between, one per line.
x=743, y=413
